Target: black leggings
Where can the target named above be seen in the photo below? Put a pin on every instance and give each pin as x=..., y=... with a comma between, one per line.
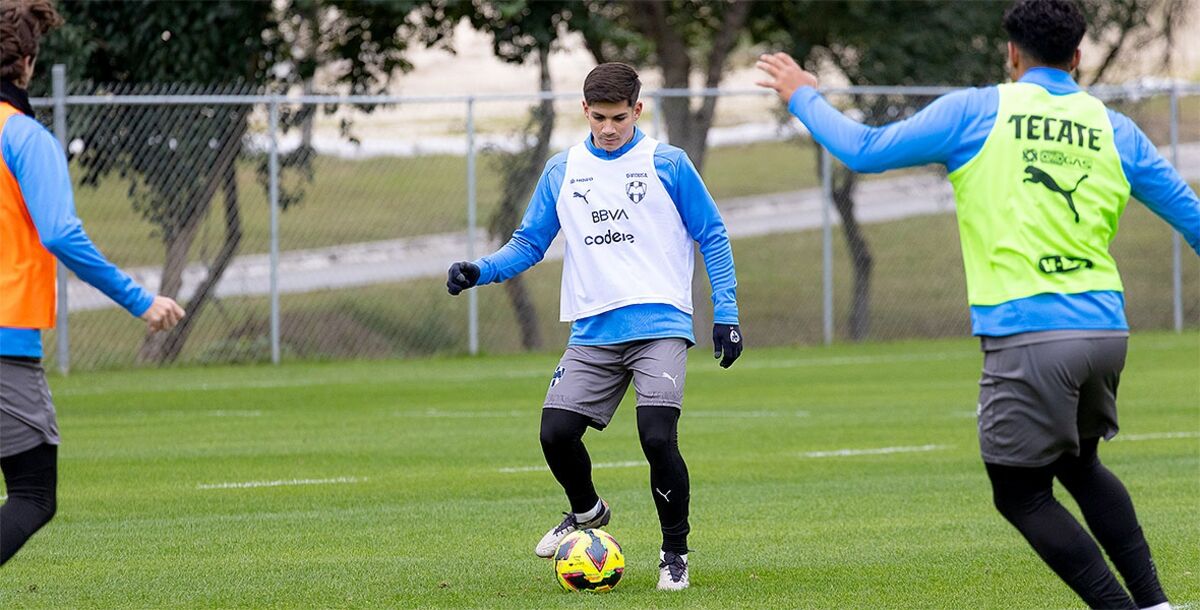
x=562, y=443
x=1025, y=497
x=31, y=478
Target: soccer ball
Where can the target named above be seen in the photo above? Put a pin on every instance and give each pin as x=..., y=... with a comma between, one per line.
x=589, y=560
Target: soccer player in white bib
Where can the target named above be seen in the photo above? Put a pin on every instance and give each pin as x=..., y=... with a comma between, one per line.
x=630, y=209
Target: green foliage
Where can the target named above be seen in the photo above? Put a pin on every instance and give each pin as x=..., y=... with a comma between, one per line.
x=177, y=158
x=362, y=42
x=925, y=42
x=145, y=41
x=171, y=155
x=520, y=27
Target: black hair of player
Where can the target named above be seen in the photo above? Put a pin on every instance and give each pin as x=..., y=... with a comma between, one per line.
x=1049, y=31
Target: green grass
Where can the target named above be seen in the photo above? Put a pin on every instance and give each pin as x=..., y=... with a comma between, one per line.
x=432, y=522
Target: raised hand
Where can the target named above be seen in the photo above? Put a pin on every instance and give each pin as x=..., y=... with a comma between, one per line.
x=785, y=75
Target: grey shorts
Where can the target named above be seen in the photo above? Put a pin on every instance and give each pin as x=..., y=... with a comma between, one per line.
x=27, y=417
x=591, y=380
x=1037, y=401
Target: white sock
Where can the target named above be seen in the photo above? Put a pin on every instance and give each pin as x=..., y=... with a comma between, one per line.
x=591, y=514
x=1162, y=606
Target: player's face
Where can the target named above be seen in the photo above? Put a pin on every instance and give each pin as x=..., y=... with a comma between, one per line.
x=612, y=122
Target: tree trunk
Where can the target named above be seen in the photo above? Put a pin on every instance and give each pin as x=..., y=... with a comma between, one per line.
x=687, y=129
x=176, y=262
x=165, y=347
x=521, y=175
x=844, y=183
x=650, y=18
x=233, y=238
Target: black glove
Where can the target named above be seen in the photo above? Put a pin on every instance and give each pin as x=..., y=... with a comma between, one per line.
x=727, y=342
x=462, y=276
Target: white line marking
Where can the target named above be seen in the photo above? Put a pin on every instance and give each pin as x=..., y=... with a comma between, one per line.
x=857, y=360
x=630, y=464
x=1153, y=436
x=439, y=413
x=879, y=451
x=746, y=414
x=233, y=413
x=281, y=483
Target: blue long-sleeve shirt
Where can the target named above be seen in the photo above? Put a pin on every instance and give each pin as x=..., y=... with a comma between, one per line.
x=952, y=130
x=700, y=217
x=40, y=168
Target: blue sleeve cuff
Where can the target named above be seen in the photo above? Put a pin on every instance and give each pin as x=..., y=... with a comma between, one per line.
x=141, y=303
x=799, y=100
x=487, y=271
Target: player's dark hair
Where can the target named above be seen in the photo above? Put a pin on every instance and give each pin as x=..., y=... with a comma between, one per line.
x=612, y=82
x=1049, y=31
x=22, y=25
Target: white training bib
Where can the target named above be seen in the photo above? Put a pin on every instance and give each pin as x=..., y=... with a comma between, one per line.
x=626, y=243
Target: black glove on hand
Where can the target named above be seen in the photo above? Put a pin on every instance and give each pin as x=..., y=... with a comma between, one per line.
x=463, y=275
x=727, y=342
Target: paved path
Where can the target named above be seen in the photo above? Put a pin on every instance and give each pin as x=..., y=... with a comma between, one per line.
x=397, y=260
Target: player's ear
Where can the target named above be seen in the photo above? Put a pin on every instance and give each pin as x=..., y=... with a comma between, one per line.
x=585, y=108
x=637, y=110
x=1075, y=59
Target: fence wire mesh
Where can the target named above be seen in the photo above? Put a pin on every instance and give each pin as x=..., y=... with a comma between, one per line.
x=373, y=208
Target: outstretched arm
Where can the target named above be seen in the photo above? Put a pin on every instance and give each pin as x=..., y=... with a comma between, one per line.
x=933, y=135
x=40, y=169
x=529, y=242
x=1154, y=181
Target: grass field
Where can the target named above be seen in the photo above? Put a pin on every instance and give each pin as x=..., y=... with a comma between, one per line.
x=408, y=503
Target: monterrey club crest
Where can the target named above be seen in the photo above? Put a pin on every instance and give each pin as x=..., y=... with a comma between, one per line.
x=636, y=190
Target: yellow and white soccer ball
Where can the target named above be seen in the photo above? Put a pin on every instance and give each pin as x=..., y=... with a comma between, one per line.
x=589, y=560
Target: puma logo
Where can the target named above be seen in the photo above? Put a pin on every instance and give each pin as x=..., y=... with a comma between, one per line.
x=664, y=495
x=1040, y=177
x=1063, y=264
x=673, y=383
x=583, y=196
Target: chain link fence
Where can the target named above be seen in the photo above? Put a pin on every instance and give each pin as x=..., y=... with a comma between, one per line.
x=321, y=227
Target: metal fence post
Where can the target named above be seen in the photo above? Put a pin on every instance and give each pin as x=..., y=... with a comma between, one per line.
x=1176, y=249
x=273, y=134
x=472, y=295
x=58, y=76
x=827, y=245
x=660, y=122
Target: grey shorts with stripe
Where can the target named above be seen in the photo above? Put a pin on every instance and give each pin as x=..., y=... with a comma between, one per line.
x=591, y=380
x=27, y=417
x=1037, y=400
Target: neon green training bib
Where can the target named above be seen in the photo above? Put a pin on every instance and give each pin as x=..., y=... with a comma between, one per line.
x=1039, y=204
